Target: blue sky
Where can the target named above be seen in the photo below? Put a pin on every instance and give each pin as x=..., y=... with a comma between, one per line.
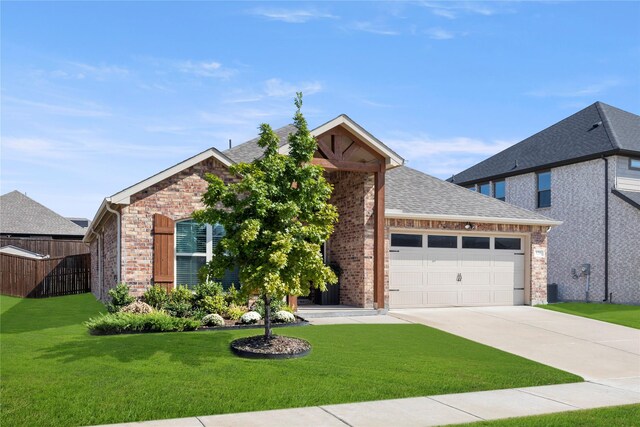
x=97, y=96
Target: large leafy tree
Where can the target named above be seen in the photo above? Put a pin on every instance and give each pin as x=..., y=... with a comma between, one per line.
x=276, y=218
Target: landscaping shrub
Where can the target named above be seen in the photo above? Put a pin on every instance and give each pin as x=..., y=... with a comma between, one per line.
x=137, y=307
x=234, y=312
x=283, y=316
x=117, y=323
x=119, y=298
x=207, y=289
x=213, y=320
x=180, y=302
x=235, y=297
x=214, y=304
x=250, y=317
x=156, y=296
x=276, y=305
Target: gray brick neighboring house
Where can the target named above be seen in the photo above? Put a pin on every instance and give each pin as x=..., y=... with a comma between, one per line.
x=585, y=172
x=404, y=239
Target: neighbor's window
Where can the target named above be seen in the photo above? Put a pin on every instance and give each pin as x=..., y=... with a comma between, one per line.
x=435, y=241
x=508, y=243
x=475, y=242
x=499, y=190
x=484, y=188
x=471, y=187
x=544, y=189
x=634, y=164
x=406, y=240
x=194, y=247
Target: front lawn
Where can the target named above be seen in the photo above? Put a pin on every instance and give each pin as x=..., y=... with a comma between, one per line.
x=625, y=315
x=54, y=373
x=627, y=415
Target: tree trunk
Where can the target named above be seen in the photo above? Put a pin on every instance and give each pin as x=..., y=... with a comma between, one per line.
x=267, y=316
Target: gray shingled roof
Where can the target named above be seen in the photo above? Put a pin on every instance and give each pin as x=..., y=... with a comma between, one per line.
x=596, y=130
x=631, y=197
x=409, y=191
x=20, y=214
x=250, y=150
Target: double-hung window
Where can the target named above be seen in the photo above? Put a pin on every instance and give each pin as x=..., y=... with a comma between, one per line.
x=499, y=190
x=484, y=188
x=544, y=189
x=194, y=248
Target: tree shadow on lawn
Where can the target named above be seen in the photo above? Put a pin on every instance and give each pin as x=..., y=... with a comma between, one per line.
x=189, y=348
x=20, y=315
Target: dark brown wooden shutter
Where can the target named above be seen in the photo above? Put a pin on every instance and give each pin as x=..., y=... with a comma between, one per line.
x=163, y=251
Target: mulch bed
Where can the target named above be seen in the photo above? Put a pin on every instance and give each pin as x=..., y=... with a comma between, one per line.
x=235, y=324
x=277, y=347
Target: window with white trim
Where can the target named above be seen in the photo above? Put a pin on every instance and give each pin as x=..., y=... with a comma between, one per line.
x=194, y=248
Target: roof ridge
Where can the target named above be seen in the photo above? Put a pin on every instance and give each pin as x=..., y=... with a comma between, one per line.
x=608, y=129
x=257, y=137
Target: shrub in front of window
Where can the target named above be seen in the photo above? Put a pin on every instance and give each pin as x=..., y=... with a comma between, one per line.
x=181, y=294
x=179, y=309
x=119, y=298
x=207, y=289
x=283, y=317
x=234, y=297
x=234, y=312
x=276, y=305
x=137, y=307
x=213, y=320
x=250, y=318
x=156, y=296
x=214, y=304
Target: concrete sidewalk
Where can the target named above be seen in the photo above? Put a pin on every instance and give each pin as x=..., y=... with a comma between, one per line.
x=431, y=410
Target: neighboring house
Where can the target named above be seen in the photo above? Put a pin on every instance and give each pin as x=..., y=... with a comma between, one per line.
x=23, y=217
x=404, y=239
x=585, y=172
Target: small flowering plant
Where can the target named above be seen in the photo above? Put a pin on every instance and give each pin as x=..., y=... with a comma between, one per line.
x=212, y=320
x=250, y=317
x=283, y=316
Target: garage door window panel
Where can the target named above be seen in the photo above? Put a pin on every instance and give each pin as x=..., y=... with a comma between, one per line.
x=469, y=242
x=445, y=242
x=507, y=243
x=406, y=240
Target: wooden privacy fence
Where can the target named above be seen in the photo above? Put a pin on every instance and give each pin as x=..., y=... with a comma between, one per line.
x=38, y=278
x=51, y=247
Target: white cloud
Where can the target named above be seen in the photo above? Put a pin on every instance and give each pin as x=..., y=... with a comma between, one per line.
x=452, y=9
x=370, y=27
x=440, y=34
x=574, y=91
x=446, y=156
x=205, y=69
x=292, y=16
x=78, y=110
x=279, y=88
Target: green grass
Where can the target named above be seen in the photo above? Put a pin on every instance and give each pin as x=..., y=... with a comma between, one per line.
x=54, y=373
x=625, y=315
x=618, y=416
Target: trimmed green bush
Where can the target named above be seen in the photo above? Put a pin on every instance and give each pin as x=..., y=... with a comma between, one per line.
x=234, y=312
x=276, y=305
x=214, y=304
x=207, y=289
x=119, y=297
x=117, y=323
x=156, y=296
x=213, y=320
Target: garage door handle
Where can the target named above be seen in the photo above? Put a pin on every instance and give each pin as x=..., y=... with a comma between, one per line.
x=394, y=290
x=459, y=278
x=394, y=250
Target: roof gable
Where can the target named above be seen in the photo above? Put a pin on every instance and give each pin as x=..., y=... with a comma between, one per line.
x=596, y=130
x=23, y=215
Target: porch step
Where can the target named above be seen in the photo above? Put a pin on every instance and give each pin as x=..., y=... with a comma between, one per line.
x=336, y=311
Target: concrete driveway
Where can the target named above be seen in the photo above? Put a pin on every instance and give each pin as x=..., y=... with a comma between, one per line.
x=597, y=351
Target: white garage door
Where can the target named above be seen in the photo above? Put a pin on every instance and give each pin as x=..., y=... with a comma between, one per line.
x=429, y=270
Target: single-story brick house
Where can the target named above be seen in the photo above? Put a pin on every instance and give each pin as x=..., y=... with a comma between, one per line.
x=404, y=238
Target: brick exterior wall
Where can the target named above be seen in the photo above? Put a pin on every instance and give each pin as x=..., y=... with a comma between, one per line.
x=100, y=285
x=538, y=241
x=578, y=199
x=351, y=245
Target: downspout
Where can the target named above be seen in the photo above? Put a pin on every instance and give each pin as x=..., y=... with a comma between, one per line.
x=118, y=249
x=99, y=255
x=606, y=229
